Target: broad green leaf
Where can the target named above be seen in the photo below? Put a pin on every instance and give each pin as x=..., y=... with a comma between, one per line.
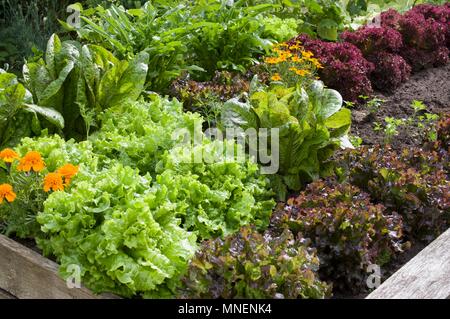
x=330, y=102
x=236, y=114
x=12, y=98
x=37, y=78
x=102, y=57
x=53, y=88
x=328, y=29
x=53, y=48
x=48, y=113
x=343, y=118
x=132, y=82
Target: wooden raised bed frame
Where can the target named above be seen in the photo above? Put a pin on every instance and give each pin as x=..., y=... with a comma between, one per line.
x=26, y=274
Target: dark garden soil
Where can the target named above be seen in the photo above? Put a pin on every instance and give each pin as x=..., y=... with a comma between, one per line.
x=431, y=86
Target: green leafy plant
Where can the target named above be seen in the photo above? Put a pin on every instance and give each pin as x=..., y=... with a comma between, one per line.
x=418, y=106
x=390, y=129
x=139, y=133
x=216, y=194
x=19, y=116
x=372, y=103
x=280, y=29
x=355, y=140
x=348, y=230
x=254, y=265
x=312, y=125
x=122, y=233
x=79, y=81
x=197, y=37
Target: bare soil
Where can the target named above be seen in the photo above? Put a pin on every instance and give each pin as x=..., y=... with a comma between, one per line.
x=431, y=86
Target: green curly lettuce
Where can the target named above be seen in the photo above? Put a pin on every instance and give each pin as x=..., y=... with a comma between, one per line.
x=219, y=196
x=122, y=233
x=138, y=133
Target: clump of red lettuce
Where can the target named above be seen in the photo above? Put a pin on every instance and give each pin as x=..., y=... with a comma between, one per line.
x=412, y=182
x=345, y=68
x=253, y=265
x=391, y=70
x=371, y=40
x=380, y=45
x=348, y=230
x=425, y=30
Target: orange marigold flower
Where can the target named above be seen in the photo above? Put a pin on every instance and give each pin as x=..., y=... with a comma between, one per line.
x=8, y=155
x=276, y=77
x=31, y=161
x=68, y=171
x=53, y=181
x=295, y=58
x=7, y=192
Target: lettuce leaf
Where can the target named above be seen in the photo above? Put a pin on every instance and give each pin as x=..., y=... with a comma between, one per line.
x=312, y=124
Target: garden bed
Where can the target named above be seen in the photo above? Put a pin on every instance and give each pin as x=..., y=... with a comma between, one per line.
x=24, y=274
x=114, y=162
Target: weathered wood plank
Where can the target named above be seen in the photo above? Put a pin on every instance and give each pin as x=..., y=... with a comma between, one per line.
x=5, y=295
x=426, y=276
x=26, y=274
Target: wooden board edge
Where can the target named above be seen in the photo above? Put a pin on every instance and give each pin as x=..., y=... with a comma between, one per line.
x=26, y=274
x=426, y=276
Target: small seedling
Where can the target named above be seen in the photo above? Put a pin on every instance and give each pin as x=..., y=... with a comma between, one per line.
x=390, y=128
x=349, y=104
x=372, y=104
x=418, y=106
x=356, y=140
